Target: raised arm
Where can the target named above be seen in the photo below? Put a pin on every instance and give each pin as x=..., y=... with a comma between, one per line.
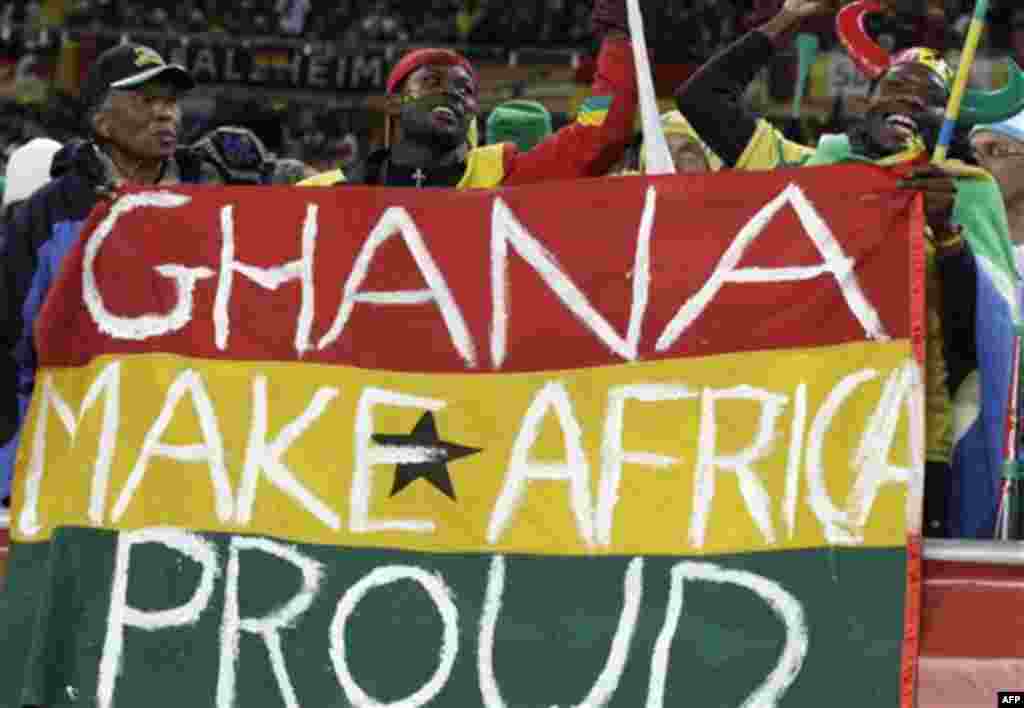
x=604, y=125
x=712, y=99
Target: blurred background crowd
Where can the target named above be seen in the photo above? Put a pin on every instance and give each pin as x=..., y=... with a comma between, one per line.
x=307, y=75
x=698, y=26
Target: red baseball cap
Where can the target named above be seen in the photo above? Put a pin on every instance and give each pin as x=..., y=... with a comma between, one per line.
x=421, y=57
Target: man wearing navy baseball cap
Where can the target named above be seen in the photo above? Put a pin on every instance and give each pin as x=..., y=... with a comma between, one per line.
x=433, y=103
x=130, y=97
x=131, y=100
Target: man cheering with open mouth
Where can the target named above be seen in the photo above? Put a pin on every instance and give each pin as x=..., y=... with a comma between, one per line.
x=432, y=111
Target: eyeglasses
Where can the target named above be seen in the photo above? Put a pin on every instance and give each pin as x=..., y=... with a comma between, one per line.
x=997, y=151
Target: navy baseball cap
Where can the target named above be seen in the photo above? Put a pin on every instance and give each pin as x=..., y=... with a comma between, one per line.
x=127, y=66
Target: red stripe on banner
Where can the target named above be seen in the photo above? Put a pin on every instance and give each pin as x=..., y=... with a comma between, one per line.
x=918, y=267
x=585, y=235
x=918, y=331
x=911, y=625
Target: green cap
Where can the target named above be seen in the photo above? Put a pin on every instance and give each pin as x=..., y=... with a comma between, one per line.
x=524, y=123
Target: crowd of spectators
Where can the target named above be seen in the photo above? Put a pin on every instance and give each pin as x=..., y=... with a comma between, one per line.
x=301, y=130
x=318, y=140
x=697, y=27
x=679, y=31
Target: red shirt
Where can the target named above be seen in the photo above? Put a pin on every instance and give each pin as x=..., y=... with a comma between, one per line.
x=590, y=146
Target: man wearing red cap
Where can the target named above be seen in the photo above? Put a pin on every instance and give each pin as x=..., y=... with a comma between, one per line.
x=432, y=106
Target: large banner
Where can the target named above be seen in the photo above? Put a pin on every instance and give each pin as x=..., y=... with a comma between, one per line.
x=615, y=442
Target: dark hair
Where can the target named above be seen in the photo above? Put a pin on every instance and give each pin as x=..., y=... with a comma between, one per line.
x=631, y=152
x=90, y=110
x=7, y=214
x=960, y=145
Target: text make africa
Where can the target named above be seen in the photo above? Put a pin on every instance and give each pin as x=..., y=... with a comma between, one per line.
x=264, y=453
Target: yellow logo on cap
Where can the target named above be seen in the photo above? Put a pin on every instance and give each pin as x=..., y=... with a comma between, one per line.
x=145, y=56
x=930, y=58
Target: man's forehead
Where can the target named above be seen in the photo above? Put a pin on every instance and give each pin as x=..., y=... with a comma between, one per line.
x=451, y=69
x=682, y=140
x=984, y=135
x=914, y=70
x=155, y=87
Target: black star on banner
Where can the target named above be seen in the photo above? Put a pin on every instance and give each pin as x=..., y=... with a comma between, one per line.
x=428, y=456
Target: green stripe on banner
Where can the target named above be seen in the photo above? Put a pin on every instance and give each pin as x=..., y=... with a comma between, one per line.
x=217, y=620
x=27, y=577
x=596, y=103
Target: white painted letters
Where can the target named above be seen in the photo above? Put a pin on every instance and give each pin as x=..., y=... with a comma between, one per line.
x=268, y=278
x=575, y=470
x=149, y=325
x=490, y=611
x=904, y=385
x=754, y=492
x=835, y=522
x=261, y=456
x=442, y=598
x=268, y=627
x=785, y=606
x=614, y=457
x=122, y=615
x=107, y=383
x=396, y=220
x=366, y=457
x=796, y=455
x=211, y=451
x=507, y=229
x=835, y=263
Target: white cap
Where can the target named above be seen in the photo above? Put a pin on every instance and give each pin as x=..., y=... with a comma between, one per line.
x=28, y=168
x=1012, y=127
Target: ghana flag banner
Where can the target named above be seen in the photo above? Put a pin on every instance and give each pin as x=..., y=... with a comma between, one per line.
x=615, y=442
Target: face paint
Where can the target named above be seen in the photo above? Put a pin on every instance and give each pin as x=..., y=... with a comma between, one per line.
x=436, y=119
x=907, y=106
x=438, y=103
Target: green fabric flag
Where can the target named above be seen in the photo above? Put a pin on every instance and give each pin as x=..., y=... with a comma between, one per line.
x=979, y=209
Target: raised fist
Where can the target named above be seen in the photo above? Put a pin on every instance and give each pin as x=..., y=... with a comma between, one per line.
x=609, y=15
x=939, y=189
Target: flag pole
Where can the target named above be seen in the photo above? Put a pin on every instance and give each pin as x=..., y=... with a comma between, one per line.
x=806, y=52
x=657, y=157
x=960, y=83
x=1008, y=511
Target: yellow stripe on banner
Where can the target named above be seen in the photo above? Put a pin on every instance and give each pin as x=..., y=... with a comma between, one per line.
x=592, y=118
x=734, y=453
